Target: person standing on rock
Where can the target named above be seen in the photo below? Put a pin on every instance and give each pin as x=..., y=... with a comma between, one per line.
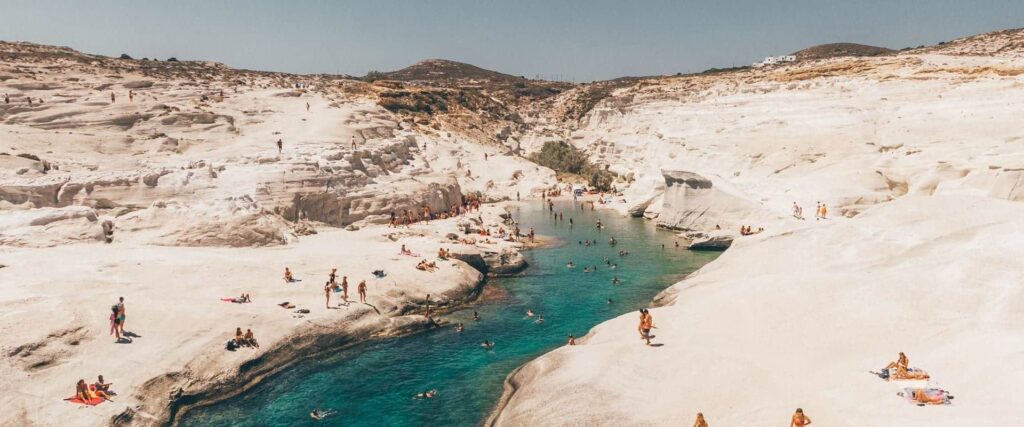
x=646, y=324
x=352, y=139
x=307, y=107
x=362, y=291
x=7, y=99
x=344, y=289
x=280, y=146
x=131, y=95
x=699, y=422
x=120, y=315
x=112, y=98
x=328, y=287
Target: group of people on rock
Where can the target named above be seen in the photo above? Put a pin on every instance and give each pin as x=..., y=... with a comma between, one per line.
x=412, y=216
x=243, y=340
x=87, y=393
x=332, y=285
x=746, y=230
x=117, y=319
x=899, y=370
x=430, y=267
x=820, y=211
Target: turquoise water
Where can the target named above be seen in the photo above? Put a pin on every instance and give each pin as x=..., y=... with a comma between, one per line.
x=372, y=384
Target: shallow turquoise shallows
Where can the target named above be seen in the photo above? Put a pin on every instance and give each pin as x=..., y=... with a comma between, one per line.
x=373, y=384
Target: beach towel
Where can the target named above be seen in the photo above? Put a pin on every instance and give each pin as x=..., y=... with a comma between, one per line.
x=927, y=396
x=91, y=402
x=412, y=254
x=287, y=304
x=911, y=374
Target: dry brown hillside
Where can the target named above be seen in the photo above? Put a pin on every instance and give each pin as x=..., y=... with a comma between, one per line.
x=833, y=50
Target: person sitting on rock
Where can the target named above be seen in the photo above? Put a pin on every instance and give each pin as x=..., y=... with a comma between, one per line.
x=288, y=276
x=101, y=385
x=249, y=339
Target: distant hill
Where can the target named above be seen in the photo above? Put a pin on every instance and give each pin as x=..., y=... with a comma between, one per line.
x=445, y=71
x=833, y=50
x=1005, y=43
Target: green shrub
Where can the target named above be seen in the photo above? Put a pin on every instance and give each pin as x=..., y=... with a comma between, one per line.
x=563, y=157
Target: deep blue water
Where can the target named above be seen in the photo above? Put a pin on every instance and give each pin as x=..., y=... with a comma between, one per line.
x=372, y=384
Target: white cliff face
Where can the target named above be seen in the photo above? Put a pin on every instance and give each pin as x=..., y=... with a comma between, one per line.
x=919, y=158
x=204, y=142
x=185, y=180
x=850, y=133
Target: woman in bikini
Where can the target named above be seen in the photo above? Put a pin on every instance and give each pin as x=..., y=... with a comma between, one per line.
x=901, y=361
x=799, y=419
x=82, y=391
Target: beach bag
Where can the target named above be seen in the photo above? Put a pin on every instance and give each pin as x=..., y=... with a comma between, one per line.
x=884, y=374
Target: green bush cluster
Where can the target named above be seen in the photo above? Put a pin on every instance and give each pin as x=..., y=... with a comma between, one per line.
x=563, y=157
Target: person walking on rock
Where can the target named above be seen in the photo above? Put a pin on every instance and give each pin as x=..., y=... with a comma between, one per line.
x=362, y=291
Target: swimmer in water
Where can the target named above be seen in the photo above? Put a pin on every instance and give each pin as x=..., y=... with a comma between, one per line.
x=570, y=264
x=459, y=327
x=319, y=415
x=586, y=269
x=487, y=345
x=429, y=394
x=615, y=280
x=540, y=319
x=476, y=316
x=609, y=301
x=529, y=313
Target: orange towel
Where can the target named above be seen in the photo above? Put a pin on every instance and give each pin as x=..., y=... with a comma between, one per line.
x=92, y=402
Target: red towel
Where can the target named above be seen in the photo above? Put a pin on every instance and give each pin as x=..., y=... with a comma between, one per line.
x=93, y=402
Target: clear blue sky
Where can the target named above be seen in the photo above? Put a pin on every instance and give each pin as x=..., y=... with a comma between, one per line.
x=572, y=39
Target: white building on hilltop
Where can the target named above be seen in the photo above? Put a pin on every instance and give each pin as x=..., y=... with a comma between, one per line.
x=773, y=60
